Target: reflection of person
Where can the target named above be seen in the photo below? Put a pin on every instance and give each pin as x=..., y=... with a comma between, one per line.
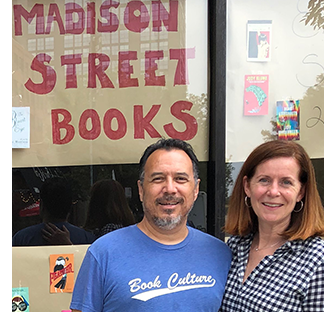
x=276, y=216
x=108, y=208
x=55, y=206
x=159, y=264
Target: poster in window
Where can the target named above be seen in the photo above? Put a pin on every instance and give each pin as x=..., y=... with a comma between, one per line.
x=288, y=120
x=20, y=127
x=61, y=269
x=259, y=41
x=20, y=299
x=256, y=95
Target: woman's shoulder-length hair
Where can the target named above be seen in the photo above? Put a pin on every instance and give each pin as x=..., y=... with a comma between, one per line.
x=241, y=220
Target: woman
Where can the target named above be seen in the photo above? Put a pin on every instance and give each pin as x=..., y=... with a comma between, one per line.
x=276, y=216
x=108, y=208
x=108, y=211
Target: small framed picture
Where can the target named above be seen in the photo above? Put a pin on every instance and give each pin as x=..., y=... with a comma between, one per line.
x=259, y=35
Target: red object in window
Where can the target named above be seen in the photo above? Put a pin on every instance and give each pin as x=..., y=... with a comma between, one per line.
x=31, y=210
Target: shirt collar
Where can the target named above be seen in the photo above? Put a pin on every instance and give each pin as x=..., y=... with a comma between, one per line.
x=294, y=245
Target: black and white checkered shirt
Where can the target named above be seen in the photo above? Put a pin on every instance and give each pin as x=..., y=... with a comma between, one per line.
x=292, y=279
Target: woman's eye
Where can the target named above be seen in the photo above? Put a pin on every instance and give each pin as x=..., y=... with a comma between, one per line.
x=264, y=180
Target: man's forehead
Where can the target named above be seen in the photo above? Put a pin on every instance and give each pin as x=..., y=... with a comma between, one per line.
x=174, y=158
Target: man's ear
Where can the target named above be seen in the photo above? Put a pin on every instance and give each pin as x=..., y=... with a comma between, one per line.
x=196, y=190
x=140, y=190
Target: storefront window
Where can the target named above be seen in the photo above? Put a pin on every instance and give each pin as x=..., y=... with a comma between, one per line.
x=275, y=78
x=94, y=83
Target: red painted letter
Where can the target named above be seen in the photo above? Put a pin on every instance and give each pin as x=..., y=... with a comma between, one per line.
x=112, y=23
x=143, y=123
x=70, y=76
x=189, y=120
x=47, y=72
x=181, y=55
x=136, y=17
x=122, y=124
x=98, y=70
x=53, y=9
x=95, y=125
x=28, y=16
x=150, y=67
x=160, y=15
x=70, y=26
x=64, y=124
x=91, y=18
x=125, y=69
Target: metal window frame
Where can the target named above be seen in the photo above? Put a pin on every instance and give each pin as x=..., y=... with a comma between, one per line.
x=217, y=123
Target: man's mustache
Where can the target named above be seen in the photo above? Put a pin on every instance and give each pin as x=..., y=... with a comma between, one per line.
x=169, y=199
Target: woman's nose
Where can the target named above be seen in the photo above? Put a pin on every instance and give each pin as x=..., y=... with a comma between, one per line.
x=274, y=189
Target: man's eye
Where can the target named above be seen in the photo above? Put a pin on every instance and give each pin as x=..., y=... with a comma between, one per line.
x=181, y=179
x=157, y=179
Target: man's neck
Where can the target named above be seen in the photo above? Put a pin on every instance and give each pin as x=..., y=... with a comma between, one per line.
x=166, y=237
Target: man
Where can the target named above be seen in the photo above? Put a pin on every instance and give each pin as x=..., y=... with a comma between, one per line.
x=55, y=206
x=159, y=264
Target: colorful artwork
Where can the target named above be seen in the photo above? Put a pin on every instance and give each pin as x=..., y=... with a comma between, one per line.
x=288, y=120
x=259, y=41
x=20, y=299
x=61, y=269
x=256, y=95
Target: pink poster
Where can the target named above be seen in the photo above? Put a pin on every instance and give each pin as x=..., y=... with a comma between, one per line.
x=256, y=95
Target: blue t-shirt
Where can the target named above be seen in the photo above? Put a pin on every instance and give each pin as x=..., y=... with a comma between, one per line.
x=125, y=270
x=32, y=235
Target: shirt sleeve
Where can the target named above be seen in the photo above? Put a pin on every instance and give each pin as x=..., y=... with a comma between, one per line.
x=88, y=294
x=314, y=301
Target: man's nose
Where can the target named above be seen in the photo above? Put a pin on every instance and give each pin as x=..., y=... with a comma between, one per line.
x=170, y=186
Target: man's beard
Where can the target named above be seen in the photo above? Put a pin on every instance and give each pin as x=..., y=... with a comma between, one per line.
x=170, y=222
x=167, y=223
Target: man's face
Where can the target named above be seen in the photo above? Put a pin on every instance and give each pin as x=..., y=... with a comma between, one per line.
x=169, y=190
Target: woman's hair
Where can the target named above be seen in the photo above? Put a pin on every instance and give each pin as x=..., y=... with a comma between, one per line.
x=241, y=220
x=108, y=204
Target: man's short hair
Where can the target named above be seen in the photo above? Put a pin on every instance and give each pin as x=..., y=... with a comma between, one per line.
x=168, y=145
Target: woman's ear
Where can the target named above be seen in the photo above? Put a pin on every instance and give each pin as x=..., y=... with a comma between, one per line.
x=246, y=185
x=301, y=193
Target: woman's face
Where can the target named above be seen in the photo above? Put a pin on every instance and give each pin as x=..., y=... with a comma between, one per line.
x=274, y=191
